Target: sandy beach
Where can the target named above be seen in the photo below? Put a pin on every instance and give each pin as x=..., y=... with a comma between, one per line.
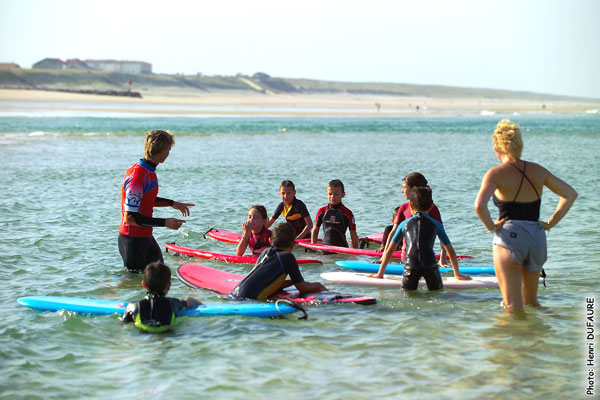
x=247, y=103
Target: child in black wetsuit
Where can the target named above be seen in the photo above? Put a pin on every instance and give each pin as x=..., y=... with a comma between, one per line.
x=156, y=312
x=272, y=268
x=419, y=233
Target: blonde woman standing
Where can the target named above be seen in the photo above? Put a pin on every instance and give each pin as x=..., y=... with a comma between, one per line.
x=519, y=245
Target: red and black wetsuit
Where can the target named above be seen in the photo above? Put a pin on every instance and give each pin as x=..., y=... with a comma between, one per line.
x=335, y=220
x=139, y=194
x=259, y=241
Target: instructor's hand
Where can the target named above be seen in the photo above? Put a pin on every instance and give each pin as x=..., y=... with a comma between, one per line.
x=184, y=208
x=173, y=223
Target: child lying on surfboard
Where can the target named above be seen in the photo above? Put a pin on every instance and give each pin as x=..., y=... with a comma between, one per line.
x=272, y=268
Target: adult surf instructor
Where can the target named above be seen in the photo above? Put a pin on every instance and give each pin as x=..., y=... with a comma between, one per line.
x=519, y=245
x=139, y=196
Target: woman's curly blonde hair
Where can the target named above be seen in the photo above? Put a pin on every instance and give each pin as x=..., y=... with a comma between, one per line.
x=508, y=139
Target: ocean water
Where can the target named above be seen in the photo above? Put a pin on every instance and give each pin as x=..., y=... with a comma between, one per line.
x=59, y=216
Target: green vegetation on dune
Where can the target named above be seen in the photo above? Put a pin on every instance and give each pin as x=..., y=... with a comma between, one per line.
x=75, y=79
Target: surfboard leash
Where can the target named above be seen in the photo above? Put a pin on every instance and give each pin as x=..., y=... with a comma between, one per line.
x=207, y=232
x=292, y=304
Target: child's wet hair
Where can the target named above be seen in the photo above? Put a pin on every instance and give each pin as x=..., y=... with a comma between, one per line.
x=261, y=210
x=421, y=199
x=287, y=184
x=283, y=235
x=336, y=183
x=157, y=276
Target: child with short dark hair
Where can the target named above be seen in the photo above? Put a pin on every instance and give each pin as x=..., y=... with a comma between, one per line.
x=156, y=312
x=293, y=210
x=336, y=218
x=419, y=233
x=272, y=268
x=256, y=235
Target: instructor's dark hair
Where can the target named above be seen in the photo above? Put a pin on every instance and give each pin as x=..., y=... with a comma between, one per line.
x=420, y=199
x=283, y=235
x=157, y=276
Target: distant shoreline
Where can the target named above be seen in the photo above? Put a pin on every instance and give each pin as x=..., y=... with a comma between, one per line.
x=181, y=102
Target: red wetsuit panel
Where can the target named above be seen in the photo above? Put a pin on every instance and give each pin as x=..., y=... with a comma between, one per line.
x=259, y=241
x=138, y=192
x=334, y=231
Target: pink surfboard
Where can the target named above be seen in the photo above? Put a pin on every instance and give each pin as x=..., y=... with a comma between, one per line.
x=232, y=237
x=374, y=238
x=347, y=250
x=224, y=236
x=209, y=255
x=223, y=282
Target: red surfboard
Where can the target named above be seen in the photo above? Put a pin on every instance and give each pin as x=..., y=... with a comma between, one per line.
x=223, y=236
x=209, y=255
x=232, y=237
x=357, y=252
x=374, y=238
x=223, y=282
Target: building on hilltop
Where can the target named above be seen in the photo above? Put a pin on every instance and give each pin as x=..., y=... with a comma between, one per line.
x=128, y=67
x=76, y=63
x=49, y=63
x=9, y=65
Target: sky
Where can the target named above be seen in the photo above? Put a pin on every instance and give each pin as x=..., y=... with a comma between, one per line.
x=543, y=46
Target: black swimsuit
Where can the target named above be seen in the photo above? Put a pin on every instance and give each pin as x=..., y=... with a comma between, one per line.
x=529, y=211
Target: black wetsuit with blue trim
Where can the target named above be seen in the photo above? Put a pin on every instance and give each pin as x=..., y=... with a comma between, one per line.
x=419, y=233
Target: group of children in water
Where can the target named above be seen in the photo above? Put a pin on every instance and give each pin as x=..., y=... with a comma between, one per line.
x=416, y=224
x=276, y=262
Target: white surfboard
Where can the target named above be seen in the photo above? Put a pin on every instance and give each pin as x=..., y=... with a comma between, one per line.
x=355, y=278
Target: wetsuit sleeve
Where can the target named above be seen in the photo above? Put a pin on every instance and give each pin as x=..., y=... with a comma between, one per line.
x=291, y=267
x=319, y=217
x=401, y=215
x=177, y=305
x=160, y=201
x=278, y=210
x=397, y=238
x=348, y=214
x=143, y=220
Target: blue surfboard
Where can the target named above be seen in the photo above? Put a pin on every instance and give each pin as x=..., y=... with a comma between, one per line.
x=99, y=307
x=398, y=269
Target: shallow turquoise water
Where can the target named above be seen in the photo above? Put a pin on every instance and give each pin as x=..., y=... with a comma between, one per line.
x=59, y=215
